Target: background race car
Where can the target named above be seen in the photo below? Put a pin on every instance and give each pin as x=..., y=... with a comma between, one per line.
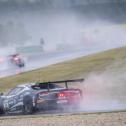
x=17, y=60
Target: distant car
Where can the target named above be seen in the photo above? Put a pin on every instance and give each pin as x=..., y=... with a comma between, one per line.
x=40, y=96
x=17, y=60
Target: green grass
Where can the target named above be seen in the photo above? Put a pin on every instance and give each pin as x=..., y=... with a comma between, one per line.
x=71, y=69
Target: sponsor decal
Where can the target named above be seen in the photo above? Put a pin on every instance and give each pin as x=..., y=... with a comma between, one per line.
x=40, y=100
x=61, y=101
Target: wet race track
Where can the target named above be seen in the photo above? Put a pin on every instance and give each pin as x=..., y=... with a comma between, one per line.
x=35, y=61
x=89, y=107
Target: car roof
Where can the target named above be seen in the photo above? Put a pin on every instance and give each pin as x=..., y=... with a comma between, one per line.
x=26, y=85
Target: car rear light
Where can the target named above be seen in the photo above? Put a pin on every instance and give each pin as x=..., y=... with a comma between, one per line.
x=65, y=94
x=69, y=94
x=16, y=58
x=61, y=94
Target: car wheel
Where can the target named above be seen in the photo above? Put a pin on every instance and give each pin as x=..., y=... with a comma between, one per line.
x=21, y=65
x=1, y=111
x=1, y=107
x=27, y=105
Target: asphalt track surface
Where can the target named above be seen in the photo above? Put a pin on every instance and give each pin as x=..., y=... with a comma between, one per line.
x=39, y=60
x=62, y=113
x=35, y=61
x=90, y=104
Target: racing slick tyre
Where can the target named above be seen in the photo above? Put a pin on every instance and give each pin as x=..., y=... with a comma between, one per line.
x=1, y=107
x=1, y=111
x=21, y=65
x=27, y=105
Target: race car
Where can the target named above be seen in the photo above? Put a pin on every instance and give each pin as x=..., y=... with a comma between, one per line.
x=29, y=98
x=17, y=60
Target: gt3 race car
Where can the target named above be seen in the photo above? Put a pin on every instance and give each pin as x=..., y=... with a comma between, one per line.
x=46, y=95
x=17, y=60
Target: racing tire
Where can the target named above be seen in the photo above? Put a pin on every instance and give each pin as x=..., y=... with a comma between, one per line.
x=1, y=107
x=1, y=111
x=21, y=65
x=27, y=105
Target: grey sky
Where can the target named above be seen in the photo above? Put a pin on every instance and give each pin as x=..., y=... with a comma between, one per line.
x=78, y=26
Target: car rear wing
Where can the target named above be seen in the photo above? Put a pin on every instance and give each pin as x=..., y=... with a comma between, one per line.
x=58, y=82
x=68, y=81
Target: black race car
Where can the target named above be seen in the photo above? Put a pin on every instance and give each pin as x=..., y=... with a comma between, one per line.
x=47, y=95
x=17, y=60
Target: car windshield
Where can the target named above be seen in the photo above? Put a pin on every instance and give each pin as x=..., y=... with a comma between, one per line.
x=14, y=91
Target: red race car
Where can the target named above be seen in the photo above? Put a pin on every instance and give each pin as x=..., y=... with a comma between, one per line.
x=17, y=60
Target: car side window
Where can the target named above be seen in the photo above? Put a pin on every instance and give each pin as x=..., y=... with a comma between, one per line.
x=51, y=86
x=44, y=86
